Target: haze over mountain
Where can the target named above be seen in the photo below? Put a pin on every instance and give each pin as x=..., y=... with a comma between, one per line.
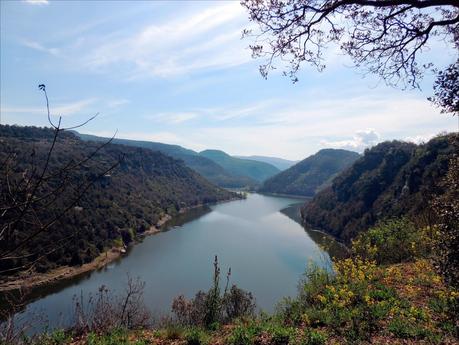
x=310, y=175
x=203, y=165
x=256, y=170
x=145, y=187
x=392, y=179
x=279, y=163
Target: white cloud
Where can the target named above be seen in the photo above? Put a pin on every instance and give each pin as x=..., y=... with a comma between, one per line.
x=37, y=2
x=360, y=141
x=419, y=139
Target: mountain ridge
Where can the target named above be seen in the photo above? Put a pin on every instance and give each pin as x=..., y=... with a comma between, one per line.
x=311, y=174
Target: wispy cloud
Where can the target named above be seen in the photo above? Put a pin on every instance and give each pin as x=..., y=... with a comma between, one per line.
x=297, y=129
x=40, y=47
x=37, y=2
x=208, y=39
x=172, y=118
x=65, y=109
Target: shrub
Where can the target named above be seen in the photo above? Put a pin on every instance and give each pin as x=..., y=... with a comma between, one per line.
x=243, y=335
x=210, y=308
x=281, y=335
x=403, y=328
x=314, y=338
x=314, y=281
x=173, y=332
x=390, y=241
x=105, y=311
x=237, y=303
x=196, y=336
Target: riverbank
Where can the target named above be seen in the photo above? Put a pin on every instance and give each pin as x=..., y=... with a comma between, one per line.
x=26, y=281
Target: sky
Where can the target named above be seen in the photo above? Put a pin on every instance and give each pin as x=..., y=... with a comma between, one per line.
x=179, y=73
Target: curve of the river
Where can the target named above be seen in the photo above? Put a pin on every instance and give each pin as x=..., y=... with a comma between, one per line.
x=260, y=238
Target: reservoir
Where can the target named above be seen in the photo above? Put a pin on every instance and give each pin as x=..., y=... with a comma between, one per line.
x=261, y=238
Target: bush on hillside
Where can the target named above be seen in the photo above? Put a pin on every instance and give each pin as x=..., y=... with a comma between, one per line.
x=391, y=241
x=210, y=308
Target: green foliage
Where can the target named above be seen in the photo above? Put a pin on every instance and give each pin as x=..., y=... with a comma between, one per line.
x=403, y=328
x=390, y=241
x=115, y=337
x=57, y=337
x=311, y=174
x=391, y=179
x=243, y=334
x=446, y=246
x=281, y=335
x=314, y=338
x=196, y=336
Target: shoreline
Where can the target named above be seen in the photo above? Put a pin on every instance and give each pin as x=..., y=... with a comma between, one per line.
x=28, y=282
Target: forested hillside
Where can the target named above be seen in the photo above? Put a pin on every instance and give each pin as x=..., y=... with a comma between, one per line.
x=258, y=171
x=391, y=179
x=143, y=187
x=311, y=174
x=204, y=166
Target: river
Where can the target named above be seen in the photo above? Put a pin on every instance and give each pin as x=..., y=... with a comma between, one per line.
x=260, y=238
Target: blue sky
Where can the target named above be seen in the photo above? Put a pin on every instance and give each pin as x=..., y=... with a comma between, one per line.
x=178, y=72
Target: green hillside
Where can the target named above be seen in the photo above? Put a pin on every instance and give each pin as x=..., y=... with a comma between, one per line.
x=311, y=174
x=204, y=166
x=258, y=171
x=391, y=179
x=118, y=206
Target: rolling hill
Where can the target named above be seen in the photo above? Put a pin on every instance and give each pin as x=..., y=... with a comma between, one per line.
x=258, y=171
x=310, y=175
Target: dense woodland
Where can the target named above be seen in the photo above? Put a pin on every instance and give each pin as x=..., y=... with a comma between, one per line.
x=143, y=187
x=311, y=174
x=390, y=180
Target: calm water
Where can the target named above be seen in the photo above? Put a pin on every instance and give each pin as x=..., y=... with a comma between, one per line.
x=260, y=238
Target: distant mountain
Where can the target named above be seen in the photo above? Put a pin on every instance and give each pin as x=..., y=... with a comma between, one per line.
x=256, y=170
x=391, y=179
x=202, y=165
x=311, y=174
x=279, y=163
x=145, y=187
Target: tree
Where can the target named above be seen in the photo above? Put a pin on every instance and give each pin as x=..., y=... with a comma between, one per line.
x=35, y=196
x=384, y=37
